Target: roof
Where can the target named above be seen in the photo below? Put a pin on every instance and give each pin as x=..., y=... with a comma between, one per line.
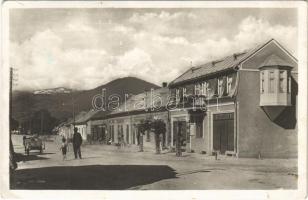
x=227, y=63
x=137, y=104
x=144, y=101
x=274, y=60
x=83, y=117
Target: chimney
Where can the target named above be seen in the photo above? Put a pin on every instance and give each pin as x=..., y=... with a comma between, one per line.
x=165, y=84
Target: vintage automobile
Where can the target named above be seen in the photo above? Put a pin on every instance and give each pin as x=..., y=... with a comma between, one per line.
x=33, y=143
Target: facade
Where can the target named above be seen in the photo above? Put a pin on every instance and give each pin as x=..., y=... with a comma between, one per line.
x=243, y=105
x=65, y=129
x=124, y=120
x=83, y=125
x=81, y=122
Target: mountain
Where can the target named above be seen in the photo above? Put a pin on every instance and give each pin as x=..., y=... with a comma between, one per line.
x=59, y=90
x=60, y=104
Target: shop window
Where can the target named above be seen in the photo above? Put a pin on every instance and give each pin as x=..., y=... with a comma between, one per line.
x=112, y=133
x=127, y=133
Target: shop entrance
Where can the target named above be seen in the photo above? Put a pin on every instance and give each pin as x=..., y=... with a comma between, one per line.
x=180, y=133
x=223, y=132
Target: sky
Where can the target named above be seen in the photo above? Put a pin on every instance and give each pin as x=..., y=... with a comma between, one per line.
x=85, y=48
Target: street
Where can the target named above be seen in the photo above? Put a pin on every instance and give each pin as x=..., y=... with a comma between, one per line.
x=105, y=167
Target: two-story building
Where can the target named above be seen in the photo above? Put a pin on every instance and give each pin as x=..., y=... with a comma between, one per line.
x=244, y=104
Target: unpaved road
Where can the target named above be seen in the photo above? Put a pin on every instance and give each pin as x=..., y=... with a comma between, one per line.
x=107, y=167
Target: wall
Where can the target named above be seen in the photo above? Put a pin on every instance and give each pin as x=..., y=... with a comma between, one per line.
x=82, y=130
x=199, y=144
x=131, y=120
x=257, y=133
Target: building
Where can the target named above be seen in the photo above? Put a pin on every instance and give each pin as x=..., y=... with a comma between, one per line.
x=83, y=124
x=65, y=130
x=243, y=105
x=148, y=105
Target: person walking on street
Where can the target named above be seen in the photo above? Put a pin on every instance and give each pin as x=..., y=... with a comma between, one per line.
x=77, y=141
x=64, y=148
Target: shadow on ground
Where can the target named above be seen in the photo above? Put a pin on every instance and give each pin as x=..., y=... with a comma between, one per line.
x=21, y=157
x=90, y=177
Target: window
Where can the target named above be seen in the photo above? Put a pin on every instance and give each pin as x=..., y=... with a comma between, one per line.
x=204, y=88
x=184, y=91
x=177, y=95
x=127, y=134
x=271, y=82
x=229, y=84
x=220, y=87
x=112, y=133
x=120, y=131
x=262, y=82
x=289, y=84
x=197, y=89
x=282, y=81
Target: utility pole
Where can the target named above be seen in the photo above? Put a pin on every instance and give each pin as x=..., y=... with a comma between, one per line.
x=73, y=102
x=13, y=164
x=42, y=122
x=10, y=102
x=12, y=82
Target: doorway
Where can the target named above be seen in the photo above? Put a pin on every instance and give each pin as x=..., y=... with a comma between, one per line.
x=223, y=132
x=180, y=132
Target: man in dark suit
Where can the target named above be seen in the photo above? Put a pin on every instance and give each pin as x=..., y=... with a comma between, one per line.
x=77, y=141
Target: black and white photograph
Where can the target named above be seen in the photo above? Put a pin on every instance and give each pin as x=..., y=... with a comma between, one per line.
x=154, y=97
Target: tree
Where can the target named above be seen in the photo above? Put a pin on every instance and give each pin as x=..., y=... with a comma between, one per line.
x=159, y=129
x=142, y=127
x=42, y=122
x=14, y=124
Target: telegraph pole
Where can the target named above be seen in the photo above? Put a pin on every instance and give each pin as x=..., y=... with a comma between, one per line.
x=10, y=101
x=42, y=122
x=13, y=164
x=12, y=82
x=73, y=102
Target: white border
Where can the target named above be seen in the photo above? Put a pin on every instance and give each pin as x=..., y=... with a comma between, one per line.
x=300, y=193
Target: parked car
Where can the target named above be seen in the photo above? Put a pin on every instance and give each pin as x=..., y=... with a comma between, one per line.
x=33, y=143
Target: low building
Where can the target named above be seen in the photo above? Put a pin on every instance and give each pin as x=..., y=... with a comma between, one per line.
x=244, y=104
x=124, y=120
x=83, y=124
x=64, y=129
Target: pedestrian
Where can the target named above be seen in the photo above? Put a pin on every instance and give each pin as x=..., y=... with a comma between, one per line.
x=122, y=141
x=77, y=141
x=63, y=148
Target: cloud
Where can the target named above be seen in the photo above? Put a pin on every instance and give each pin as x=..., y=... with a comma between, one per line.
x=154, y=46
x=253, y=31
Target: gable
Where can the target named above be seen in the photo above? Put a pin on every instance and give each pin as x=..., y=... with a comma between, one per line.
x=272, y=48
